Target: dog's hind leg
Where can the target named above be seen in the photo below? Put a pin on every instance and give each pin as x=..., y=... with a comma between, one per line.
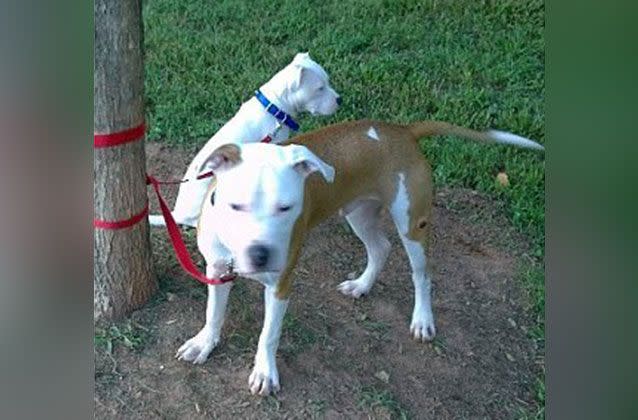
x=364, y=220
x=410, y=211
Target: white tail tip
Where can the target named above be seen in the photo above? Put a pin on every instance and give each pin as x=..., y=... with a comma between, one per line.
x=509, y=138
x=156, y=220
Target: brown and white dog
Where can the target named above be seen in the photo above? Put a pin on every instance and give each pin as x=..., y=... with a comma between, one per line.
x=268, y=197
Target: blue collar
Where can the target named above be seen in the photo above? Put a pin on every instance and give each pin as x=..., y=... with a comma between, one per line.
x=274, y=110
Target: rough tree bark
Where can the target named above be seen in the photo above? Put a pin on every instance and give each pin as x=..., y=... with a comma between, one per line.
x=123, y=276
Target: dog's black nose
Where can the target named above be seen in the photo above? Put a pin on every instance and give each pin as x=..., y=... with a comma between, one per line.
x=339, y=100
x=258, y=255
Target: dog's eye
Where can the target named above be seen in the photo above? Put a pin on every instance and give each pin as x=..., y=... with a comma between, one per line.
x=283, y=209
x=238, y=207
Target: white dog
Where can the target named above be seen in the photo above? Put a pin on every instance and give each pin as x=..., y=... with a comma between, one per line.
x=268, y=198
x=302, y=86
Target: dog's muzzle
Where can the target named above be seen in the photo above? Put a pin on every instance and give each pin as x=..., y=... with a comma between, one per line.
x=259, y=255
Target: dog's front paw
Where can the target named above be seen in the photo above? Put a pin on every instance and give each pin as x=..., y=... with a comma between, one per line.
x=198, y=348
x=355, y=288
x=422, y=326
x=264, y=379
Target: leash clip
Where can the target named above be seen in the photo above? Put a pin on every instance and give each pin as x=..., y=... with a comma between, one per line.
x=230, y=269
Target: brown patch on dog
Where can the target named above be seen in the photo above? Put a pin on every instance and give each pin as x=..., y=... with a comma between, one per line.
x=224, y=157
x=362, y=167
x=284, y=286
x=365, y=168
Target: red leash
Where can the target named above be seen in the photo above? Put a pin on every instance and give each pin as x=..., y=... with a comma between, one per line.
x=175, y=234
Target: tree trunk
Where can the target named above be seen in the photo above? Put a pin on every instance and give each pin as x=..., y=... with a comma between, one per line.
x=123, y=276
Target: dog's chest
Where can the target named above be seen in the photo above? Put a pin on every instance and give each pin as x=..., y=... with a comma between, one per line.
x=266, y=279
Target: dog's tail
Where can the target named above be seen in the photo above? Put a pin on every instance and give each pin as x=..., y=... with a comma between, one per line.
x=439, y=128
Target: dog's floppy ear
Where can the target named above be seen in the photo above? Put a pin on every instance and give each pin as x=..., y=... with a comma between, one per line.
x=222, y=159
x=298, y=75
x=305, y=162
x=300, y=67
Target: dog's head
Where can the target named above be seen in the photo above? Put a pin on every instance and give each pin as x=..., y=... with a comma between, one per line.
x=306, y=86
x=259, y=197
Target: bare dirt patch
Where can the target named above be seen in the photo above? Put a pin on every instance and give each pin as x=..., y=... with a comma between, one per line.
x=339, y=357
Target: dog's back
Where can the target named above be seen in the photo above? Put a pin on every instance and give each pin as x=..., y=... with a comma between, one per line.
x=368, y=157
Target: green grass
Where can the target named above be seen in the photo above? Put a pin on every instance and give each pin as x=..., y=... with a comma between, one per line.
x=297, y=337
x=129, y=335
x=377, y=329
x=475, y=63
x=533, y=283
x=372, y=397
